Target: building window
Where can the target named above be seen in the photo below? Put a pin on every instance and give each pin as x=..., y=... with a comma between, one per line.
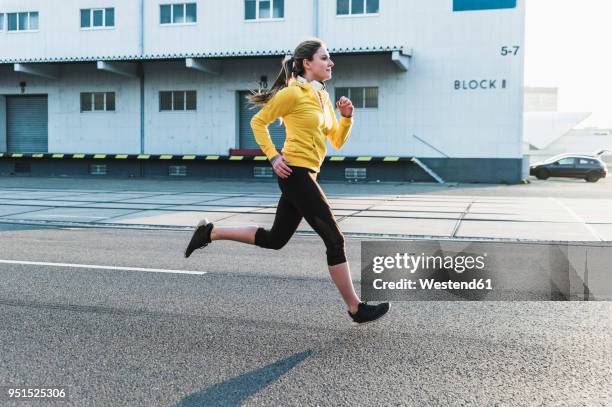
x=566, y=161
x=97, y=17
x=26, y=21
x=361, y=97
x=263, y=9
x=183, y=13
x=97, y=101
x=1, y=21
x=346, y=7
x=178, y=100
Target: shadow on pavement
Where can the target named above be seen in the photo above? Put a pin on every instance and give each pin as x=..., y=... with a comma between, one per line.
x=234, y=392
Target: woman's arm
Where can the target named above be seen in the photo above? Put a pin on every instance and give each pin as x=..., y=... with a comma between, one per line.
x=340, y=131
x=280, y=105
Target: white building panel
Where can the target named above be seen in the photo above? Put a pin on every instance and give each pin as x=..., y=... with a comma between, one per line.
x=221, y=27
x=60, y=34
x=450, y=49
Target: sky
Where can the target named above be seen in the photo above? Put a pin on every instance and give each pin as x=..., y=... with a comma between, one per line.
x=568, y=44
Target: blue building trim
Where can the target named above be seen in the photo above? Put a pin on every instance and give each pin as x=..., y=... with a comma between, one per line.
x=470, y=5
x=389, y=169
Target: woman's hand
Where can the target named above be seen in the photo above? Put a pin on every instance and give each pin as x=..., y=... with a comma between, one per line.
x=345, y=106
x=280, y=167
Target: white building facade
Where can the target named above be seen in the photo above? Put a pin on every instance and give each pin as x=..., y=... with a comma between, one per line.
x=441, y=81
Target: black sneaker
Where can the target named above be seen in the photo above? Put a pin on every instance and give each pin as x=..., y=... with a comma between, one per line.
x=201, y=237
x=367, y=313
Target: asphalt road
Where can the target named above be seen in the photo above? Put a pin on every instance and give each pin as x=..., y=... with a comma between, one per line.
x=268, y=328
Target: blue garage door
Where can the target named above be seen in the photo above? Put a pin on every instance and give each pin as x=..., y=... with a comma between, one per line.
x=247, y=140
x=26, y=124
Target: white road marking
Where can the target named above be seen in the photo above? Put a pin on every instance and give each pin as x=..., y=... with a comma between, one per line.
x=91, y=266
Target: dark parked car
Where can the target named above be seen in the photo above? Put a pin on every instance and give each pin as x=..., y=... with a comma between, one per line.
x=570, y=166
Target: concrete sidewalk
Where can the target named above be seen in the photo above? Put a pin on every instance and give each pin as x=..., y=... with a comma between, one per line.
x=362, y=210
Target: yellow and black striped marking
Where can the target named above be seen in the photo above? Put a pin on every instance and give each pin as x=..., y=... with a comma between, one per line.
x=193, y=157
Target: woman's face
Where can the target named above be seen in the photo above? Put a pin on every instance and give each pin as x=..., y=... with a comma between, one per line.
x=320, y=68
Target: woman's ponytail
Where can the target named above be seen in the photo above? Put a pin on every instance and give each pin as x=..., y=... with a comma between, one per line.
x=261, y=96
x=290, y=67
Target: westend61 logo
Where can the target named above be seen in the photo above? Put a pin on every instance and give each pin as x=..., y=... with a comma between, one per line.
x=412, y=263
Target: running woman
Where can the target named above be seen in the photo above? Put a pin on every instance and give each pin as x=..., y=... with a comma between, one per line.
x=300, y=99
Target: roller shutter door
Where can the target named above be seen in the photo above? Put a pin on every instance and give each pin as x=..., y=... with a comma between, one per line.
x=26, y=124
x=247, y=140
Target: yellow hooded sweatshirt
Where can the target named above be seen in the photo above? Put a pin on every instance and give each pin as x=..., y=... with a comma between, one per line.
x=309, y=118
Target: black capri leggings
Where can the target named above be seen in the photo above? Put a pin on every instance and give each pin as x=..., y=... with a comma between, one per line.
x=302, y=197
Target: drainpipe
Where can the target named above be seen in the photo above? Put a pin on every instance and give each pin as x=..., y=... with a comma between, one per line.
x=141, y=76
x=142, y=100
x=315, y=17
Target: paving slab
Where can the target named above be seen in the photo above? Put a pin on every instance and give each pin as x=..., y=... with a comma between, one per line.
x=45, y=189
x=413, y=210
x=422, y=202
x=409, y=214
x=252, y=219
x=432, y=198
x=91, y=197
x=17, y=197
x=305, y=227
x=514, y=211
x=248, y=219
x=119, y=196
x=168, y=199
x=525, y=230
x=506, y=199
x=72, y=214
x=272, y=195
x=525, y=217
x=264, y=221
x=37, y=202
x=167, y=218
x=212, y=200
x=35, y=195
x=364, y=197
x=14, y=209
x=356, y=201
x=346, y=206
x=213, y=208
x=209, y=197
x=249, y=201
x=518, y=201
x=585, y=210
x=337, y=212
x=121, y=205
x=431, y=227
x=421, y=208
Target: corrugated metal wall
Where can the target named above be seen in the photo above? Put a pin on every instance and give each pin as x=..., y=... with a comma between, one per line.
x=27, y=124
x=247, y=139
